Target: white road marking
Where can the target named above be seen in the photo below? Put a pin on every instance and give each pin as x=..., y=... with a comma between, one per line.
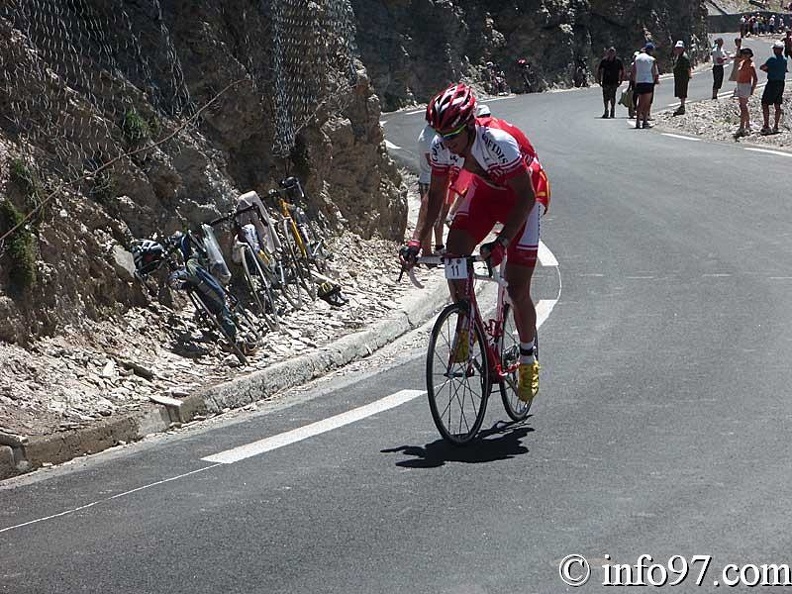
x=690, y=138
x=779, y=153
x=278, y=441
x=390, y=145
x=417, y=111
x=543, y=309
x=546, y=257
x=105, y=500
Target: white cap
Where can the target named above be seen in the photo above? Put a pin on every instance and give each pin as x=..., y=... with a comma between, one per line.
x=778, y=44
x=482, y=110
x=680, y=43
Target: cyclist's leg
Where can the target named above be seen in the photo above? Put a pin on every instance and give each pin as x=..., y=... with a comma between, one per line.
x=473, y=221
x=520, y=264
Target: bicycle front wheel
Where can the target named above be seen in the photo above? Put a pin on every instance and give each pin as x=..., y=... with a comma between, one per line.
x=457, y=375
x=509, y=353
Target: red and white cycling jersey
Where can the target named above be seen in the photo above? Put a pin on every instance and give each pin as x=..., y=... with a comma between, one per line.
x=500, y=152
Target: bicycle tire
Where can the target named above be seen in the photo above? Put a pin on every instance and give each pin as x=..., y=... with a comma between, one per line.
x=509, y=355
x=261, y=290
x=299, y=272
x=247, y=329
x=452, y=387
x=200, y=306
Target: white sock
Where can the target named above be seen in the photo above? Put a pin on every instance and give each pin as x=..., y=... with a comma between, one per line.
x=527, y=347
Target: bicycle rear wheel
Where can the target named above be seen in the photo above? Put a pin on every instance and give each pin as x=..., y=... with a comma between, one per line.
x=260, y=289
x=457, y=375
x=203, y=311
x=509, y=353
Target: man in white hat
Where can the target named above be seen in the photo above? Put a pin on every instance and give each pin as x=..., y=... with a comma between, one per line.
x=682, y=75
x=776, y=68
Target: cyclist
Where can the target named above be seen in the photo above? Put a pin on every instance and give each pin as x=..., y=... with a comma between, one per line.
x=506, y=182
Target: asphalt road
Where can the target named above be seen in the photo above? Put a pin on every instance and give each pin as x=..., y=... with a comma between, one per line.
x=662, y=427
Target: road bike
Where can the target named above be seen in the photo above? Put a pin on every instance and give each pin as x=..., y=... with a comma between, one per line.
x=215, y=307
x=468, y=355
x=310, y=243
x=259, y=269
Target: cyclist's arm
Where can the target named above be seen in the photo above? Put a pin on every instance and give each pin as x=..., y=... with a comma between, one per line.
x=523, y=188
x=427, y=216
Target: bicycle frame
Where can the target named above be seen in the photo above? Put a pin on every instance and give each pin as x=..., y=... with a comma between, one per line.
x=493, y=329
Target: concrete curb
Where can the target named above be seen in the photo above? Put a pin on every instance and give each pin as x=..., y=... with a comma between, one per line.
x=19, y=454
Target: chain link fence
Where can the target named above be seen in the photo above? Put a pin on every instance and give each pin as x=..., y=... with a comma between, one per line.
x=73, y=71
x=310, y=41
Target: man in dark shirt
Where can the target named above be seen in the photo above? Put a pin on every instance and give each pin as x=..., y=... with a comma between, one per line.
x=682, y=75
x=776, y=68
x=610, y=75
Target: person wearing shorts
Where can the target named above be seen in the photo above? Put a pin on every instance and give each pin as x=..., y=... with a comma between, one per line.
x=506, y=184
x=646, y=76
x=776, y=68
x=719, y=58
x=424, y=175
x=746, y=84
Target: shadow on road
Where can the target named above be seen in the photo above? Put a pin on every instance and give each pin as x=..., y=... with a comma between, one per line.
x=500, y=442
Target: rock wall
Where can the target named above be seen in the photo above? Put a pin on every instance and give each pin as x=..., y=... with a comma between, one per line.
x=122, y=118
x=412, y=48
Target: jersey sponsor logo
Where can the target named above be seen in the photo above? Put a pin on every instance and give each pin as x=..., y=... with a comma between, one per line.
x=493, y=147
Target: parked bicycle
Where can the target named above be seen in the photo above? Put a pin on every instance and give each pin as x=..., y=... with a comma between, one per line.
x=259, y=269
x=468, y=355
x=215, y=307
x=310, y=241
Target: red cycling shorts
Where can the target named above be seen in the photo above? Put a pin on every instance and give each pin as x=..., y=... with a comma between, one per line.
x=483, y=206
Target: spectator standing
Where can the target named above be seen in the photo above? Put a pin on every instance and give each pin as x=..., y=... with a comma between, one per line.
x=746, y=84
x=682, y=75
x=788, y=44
x=719, y=58
x=776, y=69
x=631, y=87
x=424, y=177
x=646, y=75
x=737, y=58
x=610, y=75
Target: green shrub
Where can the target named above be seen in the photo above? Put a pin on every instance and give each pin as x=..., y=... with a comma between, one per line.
x=20, y=248
x=105, y=187
x=135, y=128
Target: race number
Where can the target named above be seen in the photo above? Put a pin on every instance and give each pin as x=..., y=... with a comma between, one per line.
x=456, y=268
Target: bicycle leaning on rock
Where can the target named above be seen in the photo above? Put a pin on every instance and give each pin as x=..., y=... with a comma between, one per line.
x=215, y=307
x=467, y=355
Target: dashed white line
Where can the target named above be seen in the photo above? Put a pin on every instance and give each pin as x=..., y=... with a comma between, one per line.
x=779, y=153
x=680, y=136
x=390, y=145
x=116, y=496
x=283, y=439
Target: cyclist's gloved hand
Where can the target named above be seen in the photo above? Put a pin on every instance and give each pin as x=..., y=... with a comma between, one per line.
x=494, y=251
x=409, y=253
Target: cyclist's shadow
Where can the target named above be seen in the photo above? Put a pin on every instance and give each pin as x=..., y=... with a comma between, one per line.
x=485, y=448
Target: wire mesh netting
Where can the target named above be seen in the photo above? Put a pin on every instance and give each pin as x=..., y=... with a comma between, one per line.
x=73, y=73
x=310, y=40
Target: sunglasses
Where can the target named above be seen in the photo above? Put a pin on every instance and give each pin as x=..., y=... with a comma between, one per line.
x=453, y=133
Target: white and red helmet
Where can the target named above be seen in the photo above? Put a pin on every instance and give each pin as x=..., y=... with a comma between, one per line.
x=452, y=108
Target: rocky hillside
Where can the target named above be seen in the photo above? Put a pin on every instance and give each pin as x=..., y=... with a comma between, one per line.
x=412, y=48
x=122, y=118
